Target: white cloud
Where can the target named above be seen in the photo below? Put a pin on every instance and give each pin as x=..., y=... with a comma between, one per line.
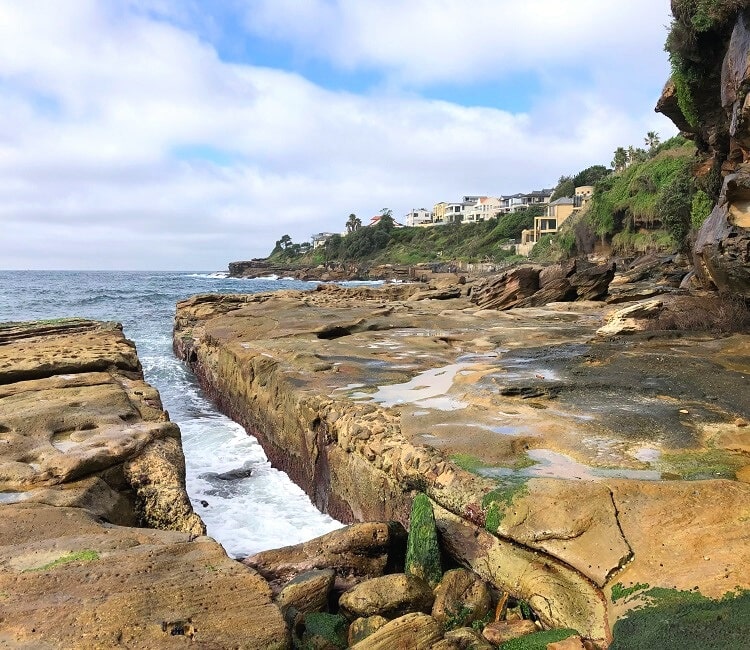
x=126, y=142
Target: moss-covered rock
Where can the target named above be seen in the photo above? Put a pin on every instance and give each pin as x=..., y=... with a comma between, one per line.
x=422, y=548
x=324, y=632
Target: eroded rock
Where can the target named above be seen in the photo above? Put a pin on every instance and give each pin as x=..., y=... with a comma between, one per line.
x=390, y=596
x=415, y=631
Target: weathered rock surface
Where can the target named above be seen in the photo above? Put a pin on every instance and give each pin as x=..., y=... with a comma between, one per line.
x=86, y=453
x=414, y=631
x=501, y=631
x=462, y=597
x=389, y=596
x=356, y=553
x=533, y=286
x=308, y=592
x=366, y=396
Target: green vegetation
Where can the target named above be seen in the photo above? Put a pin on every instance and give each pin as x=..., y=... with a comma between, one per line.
x=468, y=462
x=422, y=548
x=694, y=465
x=685, y=620
x=700, y=209
x=539, y=640
x=324, y=630
x=78, y=556
x=619, y=591
x=498, y=501
x=653, y=194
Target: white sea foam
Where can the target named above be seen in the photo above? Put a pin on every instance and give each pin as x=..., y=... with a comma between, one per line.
x=265, y=510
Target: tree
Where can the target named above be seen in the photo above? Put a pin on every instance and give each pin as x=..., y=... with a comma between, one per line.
x=620, y=160
x=591, y=175
x=565, y=187
x=386, y=220
x=353, y=223
x=636, y=155
x=284, y=243
x=652, y=141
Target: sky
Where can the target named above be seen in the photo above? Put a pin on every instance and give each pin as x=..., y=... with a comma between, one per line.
x=185, y=134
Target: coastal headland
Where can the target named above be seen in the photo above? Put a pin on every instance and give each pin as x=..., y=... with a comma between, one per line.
x=579, y=468
x=99, y=546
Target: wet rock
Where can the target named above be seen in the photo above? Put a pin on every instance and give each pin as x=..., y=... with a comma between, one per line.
x=422, y=549
x=355, y=553
x=461, y=598
x=389, y=596
x=499, y=632
x=414, y=631
x=361, y=628
x=232, y=475
x=571, y=643
x=308, y=592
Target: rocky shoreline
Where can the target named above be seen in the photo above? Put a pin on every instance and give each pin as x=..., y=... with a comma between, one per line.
x=366, y=397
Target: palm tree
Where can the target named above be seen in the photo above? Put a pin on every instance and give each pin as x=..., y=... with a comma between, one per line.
x=652, y=140
x=353, y=223
x=620, y=161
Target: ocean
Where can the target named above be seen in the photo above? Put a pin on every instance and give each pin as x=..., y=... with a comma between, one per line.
x=265, y=510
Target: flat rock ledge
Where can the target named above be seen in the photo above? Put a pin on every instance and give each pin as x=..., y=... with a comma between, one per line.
x=99, y=546
x=565, y=467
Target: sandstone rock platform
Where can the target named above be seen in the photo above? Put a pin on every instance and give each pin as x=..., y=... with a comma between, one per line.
x=564, y=465
x=99, y=546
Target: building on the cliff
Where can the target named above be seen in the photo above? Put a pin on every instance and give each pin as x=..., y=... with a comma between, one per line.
x=521, y=201
x=483, y=209
x=320, y=239
x=418, y=217
x=555, y=214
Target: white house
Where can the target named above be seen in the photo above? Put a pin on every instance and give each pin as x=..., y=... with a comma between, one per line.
x=418, y=217
x=483, y=209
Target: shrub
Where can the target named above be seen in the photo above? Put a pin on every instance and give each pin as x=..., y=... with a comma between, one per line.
x=700, y=209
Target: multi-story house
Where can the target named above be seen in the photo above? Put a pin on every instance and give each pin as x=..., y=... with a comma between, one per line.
x=554, y=216
x=521, y=201
x=483, y=209
x=444, y=213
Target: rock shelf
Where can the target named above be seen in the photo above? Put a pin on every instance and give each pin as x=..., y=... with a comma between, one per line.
x=563, y=465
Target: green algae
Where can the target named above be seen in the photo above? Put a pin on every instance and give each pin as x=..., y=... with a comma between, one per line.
x=324, y=630
x=538, y=640
x=422, y=548
x=78, y=556
x=695, y=465
x=468, y=462
x=496, y=503
x=620, y=591
x=687, y=620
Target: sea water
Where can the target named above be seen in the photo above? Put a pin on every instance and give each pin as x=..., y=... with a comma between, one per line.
x=265, y=510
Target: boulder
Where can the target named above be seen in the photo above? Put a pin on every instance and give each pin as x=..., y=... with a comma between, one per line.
x=507, y=289
x=324, y=632
x=631, y=319
x=592, y=283
x=461, y=598
x=422, y=549
x=389, y=596
x=308, y=592
x=357, y=552
x=361, y=628
x=414, y=631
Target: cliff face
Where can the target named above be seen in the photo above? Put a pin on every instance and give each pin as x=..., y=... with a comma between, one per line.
x=707, y=98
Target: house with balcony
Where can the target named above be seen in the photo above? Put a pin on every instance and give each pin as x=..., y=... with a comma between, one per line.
x=483, y=209
x=321, y=238
x=521, y=201
x=444, y=213
x=554, y=216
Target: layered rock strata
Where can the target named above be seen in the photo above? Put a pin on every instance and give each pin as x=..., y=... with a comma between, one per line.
x=99, y=545
x=363, y=396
